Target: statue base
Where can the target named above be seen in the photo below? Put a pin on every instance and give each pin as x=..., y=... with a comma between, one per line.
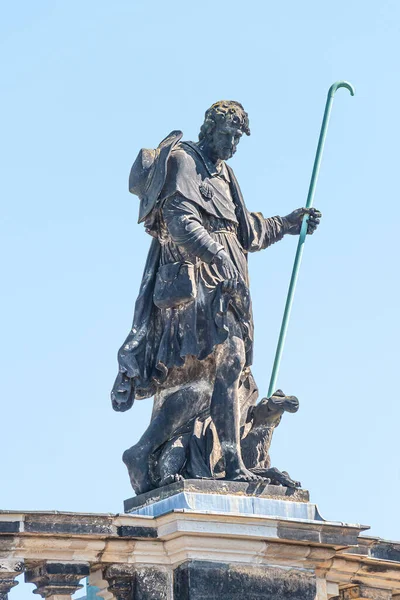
x=229, y=497
x=200, y=540
x=232, y=540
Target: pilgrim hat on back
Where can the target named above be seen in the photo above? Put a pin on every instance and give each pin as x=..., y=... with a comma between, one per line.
x=149, y=171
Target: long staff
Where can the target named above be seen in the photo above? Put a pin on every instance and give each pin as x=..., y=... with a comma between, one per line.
x=303, y=231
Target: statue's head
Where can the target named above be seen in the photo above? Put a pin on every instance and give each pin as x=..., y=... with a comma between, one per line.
x=224, y=124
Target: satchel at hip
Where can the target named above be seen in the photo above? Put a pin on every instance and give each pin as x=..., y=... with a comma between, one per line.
x=175, y=285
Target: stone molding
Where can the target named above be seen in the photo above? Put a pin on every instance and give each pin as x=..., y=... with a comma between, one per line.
x=121, y=581
x=220, y=488
x=54, y=579
x=364, y=592
x=117, y=546
x=9, y=570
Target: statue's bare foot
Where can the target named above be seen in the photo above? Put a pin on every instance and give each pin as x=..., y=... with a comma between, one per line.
x=243, y=474
x=171, y=479
x=136, y=461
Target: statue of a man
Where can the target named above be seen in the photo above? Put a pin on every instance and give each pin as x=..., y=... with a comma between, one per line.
x=191, y=343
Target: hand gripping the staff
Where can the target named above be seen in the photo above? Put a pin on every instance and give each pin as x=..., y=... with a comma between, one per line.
x=292, y=222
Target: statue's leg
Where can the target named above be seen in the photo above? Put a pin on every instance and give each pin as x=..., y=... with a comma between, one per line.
x=225, y=402
x=177, y=409
x=172, y=460
x=137, y=457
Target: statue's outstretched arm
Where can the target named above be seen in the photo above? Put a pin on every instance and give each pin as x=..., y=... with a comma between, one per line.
x=265, y=232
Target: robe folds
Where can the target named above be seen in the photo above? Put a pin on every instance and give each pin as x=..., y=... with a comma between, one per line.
x=200, y=212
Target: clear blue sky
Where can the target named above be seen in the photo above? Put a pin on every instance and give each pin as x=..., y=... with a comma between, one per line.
x=84, y=86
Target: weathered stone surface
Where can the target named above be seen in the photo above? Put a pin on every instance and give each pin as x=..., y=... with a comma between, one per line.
x=364, y=592
x=327, y=534
x=56, y=578
x=121, y=581
x=139, y=553
x=9, y=570
x=153, y=584
x=61, y=523
x=386, y=550
x=136, y=532
x=174, y=536
x=138, y=582
x=210, y=486
x=9, y=527
x=196, y=580
x=71, y=524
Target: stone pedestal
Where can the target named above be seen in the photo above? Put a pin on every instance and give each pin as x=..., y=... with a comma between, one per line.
x=227, y=497
x=200, y=540
x=247, y=540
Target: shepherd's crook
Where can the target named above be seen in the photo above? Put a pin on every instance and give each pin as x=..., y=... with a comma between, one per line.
x=303, y=231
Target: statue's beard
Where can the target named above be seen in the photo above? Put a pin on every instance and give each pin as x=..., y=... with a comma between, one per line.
x=218, y=152
x=226, y=153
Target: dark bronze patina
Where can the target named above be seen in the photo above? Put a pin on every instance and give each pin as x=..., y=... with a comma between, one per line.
x=191, y=343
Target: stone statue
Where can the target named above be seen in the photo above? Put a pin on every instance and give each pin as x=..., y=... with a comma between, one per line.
x=191, y=343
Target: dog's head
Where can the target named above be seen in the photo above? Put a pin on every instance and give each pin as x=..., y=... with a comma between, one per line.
x=270, y=410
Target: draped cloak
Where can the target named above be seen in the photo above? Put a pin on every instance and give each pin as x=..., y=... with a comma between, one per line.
x=199, y=212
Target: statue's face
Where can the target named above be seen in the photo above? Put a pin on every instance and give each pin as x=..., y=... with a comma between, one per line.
x=224, y=140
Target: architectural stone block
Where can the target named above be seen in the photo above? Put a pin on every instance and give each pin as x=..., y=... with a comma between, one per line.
x=138, y=582
x=56, y=580
x=153, y=583
x=188, y=554
x=121, y=581
x=9, y=570
x=201, y=580
x=364, y=592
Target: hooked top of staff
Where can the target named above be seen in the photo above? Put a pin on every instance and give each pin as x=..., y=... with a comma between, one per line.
x=340, y=84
